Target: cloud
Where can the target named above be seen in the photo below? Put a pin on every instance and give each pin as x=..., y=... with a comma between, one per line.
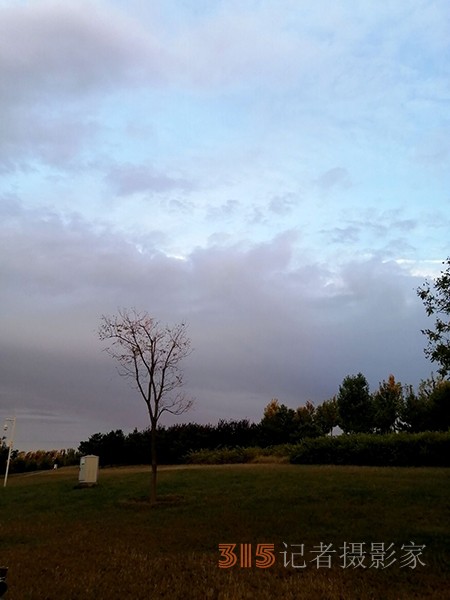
x=336, y=177
x=385, y=232
x=282, y=205
x=244, y=45
x=53, y=48
x=225, y=210
x=344, y=235
x=59, y=61
x=263, y=322
x=68, y=65
x=130, y=179
x=60, y=140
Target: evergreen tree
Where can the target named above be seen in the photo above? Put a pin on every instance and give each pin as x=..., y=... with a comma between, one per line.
x=355, y=405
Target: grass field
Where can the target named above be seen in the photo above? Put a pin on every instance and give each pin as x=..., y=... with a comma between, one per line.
x=63, y=543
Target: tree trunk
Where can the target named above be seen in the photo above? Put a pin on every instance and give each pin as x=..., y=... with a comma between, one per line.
x=154, y=465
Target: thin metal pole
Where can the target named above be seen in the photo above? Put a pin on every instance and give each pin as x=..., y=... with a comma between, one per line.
x=11, y=442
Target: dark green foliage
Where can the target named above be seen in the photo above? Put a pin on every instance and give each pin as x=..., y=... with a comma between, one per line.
x=137, y=448
x=4, y=452
x=440, y=406
x=326, y=416
x=174, y=443
x=40, y=460
x=355, y=405
x=236, y=433
x=436, y=299
x=3, y=455
x=429, y=409
x=219, y=456
x=397, y=449
x=93, y=445
x=391, y=408
x=415, y=414
x=283, y=425
x=112, y=448
x=305, y=421
x=278, y=425
x=387, y=403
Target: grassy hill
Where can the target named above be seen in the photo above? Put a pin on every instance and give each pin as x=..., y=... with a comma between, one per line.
x=62, y=543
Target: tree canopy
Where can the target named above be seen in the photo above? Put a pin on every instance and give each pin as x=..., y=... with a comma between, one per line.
x=436, y=299
x=355, y=405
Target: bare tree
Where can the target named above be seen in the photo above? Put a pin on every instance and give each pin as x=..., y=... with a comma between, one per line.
x=149, y=355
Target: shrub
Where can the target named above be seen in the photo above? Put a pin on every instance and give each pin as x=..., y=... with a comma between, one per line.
x=395, y=449
x=220, y=456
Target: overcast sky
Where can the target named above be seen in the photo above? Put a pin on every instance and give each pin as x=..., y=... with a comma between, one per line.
x=274, y=173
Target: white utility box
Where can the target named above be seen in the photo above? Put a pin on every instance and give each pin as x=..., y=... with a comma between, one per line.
x=88, y=470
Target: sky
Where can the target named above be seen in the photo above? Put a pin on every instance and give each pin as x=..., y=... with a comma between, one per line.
x=273, y=173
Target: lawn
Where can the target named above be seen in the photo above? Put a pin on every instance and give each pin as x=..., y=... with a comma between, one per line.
x=62, y=543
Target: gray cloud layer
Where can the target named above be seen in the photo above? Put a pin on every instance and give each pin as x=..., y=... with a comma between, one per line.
x=262, y=325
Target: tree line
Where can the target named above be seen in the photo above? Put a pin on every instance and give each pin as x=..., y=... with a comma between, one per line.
x=36, y=460
x=391, y=408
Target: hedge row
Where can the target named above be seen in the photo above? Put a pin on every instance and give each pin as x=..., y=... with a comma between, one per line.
x=425, y=449
x=220, y=456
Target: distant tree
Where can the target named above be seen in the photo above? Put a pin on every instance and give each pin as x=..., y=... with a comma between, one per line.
x=136, y=447
x=150, y=356
x=387, y=404
x=94, y=445
x=3, y=454
x=306, y=425
x=327, y=416
x=278, y=424
x=235, y=433
x=272, y=409
x=440, y=406
x=176, y=441
x=414, y=413
x=69, y=457
x=436, y=299
x=355, y=405
x=426, y=409
x=110, y=447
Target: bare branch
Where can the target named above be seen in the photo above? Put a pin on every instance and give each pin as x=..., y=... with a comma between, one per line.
x=150, y=356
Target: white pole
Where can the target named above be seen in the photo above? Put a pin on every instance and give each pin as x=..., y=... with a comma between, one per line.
x=11, y=442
